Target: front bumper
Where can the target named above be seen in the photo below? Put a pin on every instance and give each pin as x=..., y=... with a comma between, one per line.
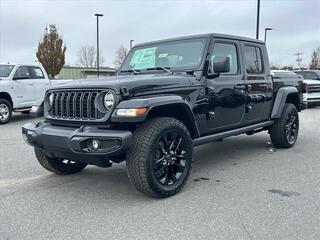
x=76, y=143
x=312, y=98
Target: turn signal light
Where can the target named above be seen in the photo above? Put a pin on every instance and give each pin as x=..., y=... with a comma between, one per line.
x=131, y=112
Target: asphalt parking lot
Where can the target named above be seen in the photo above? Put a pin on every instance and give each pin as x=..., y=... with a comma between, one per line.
x=241, y=188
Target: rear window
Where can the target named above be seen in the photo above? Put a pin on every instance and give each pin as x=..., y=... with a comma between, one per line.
x=36, y=73
x=253, y=60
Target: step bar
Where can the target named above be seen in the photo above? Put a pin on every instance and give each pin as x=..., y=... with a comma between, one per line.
x=230, y=133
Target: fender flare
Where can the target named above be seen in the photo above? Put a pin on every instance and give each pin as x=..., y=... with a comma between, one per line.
x=280, y=100
x=153, y=103
x=7, y=96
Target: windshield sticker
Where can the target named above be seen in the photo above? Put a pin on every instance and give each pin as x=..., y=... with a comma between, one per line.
x=143, y=58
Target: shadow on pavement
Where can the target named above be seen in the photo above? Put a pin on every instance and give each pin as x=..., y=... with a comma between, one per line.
x=113, y=183
x=19, y=117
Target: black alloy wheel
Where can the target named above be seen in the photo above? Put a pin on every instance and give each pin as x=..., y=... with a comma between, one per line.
x=169, y=163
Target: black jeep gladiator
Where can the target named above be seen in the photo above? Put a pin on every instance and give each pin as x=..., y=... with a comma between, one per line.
x=167, y=97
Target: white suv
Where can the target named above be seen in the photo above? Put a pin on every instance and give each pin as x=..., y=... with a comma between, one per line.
x=22, y=88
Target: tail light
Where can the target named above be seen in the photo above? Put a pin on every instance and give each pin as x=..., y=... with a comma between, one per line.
x=304, y=87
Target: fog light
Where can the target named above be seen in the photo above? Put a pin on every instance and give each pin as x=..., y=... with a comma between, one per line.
x=95, y=144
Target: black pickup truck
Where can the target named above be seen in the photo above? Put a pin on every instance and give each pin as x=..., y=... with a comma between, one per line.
x=167, y=97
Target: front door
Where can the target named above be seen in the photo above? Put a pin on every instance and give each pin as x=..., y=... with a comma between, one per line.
x=226, y=94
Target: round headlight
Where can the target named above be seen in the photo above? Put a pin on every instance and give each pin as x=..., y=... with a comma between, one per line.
x=50, y=98
x=109, y=100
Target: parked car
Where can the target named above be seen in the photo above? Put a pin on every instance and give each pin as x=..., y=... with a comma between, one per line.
x=312, y=81
x=22, y=88
x=309, y=74
x=168, y=97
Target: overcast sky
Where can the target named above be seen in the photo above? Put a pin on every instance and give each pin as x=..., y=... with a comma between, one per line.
x=296, y=24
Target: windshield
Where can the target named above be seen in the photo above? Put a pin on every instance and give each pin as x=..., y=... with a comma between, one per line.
x=5, y=70
x=169, y=55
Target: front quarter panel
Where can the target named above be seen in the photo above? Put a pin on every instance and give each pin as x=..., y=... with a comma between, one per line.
x=148, y=103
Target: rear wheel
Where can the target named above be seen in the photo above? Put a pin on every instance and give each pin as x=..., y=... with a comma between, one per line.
x=5, y=111
x=57, y=165
x=284, y=132
x=160, y=157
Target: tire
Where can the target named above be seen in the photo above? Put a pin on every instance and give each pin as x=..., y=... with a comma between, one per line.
x=284, y=132
x=5, y=111
x=57, y=165
x=154, y=169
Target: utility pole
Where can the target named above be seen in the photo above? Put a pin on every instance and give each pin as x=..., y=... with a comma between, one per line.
x=258, y=19
x=299, y=58
x=98, y=62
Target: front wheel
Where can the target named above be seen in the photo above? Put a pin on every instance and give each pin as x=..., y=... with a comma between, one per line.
x=56, y=165
x=160, y=157
x=5, y=111
x=284, y=132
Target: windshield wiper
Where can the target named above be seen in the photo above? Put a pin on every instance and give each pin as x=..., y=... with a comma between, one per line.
x=160, y=68
x=131, y=70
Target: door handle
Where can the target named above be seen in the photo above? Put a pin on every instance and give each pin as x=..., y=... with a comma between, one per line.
x=30, y=84
x=240, y=87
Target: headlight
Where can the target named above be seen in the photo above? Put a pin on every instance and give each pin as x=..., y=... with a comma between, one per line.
x=50, y=98
x=109, y=100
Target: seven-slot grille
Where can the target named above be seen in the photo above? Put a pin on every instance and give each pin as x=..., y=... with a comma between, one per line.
x=314, y=88
x=74, y=105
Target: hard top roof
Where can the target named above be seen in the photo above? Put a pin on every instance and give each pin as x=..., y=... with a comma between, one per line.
x=208, y=35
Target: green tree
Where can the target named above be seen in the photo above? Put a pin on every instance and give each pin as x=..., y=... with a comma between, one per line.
x=290, y=68
x=51, y=51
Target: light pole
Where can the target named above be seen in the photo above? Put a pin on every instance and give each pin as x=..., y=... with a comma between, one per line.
x=98, y=15
x=265, y=33
x=131, y=43
x=258, y=19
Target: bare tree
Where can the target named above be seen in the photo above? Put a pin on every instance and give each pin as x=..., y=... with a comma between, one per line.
x=121, y=55
x=315, y=59
x=51, y=51
x=87, y=57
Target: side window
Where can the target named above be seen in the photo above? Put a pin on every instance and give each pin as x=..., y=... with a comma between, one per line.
x=224, y=50
x=22, y=73
x=36, y=73
x=310, y=75
x=253, y=60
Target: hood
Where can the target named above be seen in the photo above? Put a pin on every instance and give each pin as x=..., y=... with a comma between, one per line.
x=133, y=83
x=311, y=82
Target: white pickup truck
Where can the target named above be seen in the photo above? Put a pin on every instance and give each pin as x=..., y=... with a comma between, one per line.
x=22, y=88
x=312, y=81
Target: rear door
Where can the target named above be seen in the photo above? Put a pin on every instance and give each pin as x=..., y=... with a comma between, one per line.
x=226, y=93
x=22, y=87
x=259, y=83
x=40, y=84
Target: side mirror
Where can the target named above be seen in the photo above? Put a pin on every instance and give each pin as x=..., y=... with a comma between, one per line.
x=219, y=65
